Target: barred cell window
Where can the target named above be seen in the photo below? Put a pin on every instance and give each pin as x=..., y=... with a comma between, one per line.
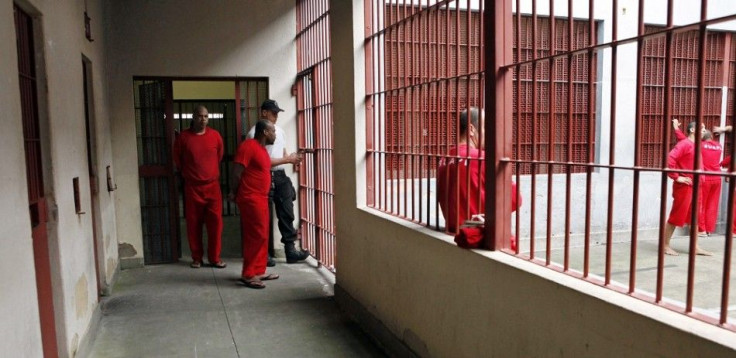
x=683, y=90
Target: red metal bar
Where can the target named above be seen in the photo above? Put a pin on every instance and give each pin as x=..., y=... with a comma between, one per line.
x=698, y=160
x=534, y=123
x=612, y=143
x=550, y=129
x=665, y=150
x=637, y=152
x=370, y=116
x=518, y=124
x=498, y=94
x=591, y=139
x=570, y=118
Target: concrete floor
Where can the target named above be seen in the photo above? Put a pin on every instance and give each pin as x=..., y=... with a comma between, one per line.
x=708, y=272
x=175, y=311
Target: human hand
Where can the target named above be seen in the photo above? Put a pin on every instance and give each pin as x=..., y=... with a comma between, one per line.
x=294, y=158
x=675, y=124
x=684, y=180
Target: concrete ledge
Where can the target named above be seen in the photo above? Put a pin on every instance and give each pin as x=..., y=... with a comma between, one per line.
x=131, y=262
x=392, y=345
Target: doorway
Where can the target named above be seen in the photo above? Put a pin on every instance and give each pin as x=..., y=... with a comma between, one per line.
x=163, y=109
x=32, y=139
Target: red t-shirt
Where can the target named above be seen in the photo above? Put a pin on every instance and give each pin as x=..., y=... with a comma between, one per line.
x=457, y=199
x=256, y=178
x=461, y=185
x=710, y=151
x=682, y=156
x=198, y=155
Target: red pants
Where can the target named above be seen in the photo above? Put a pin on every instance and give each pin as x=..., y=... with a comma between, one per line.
x=254, y=233
x=203, y=205
x=710, y=195
x=682, y=196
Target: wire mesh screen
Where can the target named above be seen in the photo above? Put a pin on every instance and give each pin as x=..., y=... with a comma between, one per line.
x=684, y=89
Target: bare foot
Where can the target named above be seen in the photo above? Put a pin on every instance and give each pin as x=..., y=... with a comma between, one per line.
x=699, y=251
x=670, y=251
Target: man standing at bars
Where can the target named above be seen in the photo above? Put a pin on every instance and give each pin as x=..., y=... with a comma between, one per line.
x=710, y=185
x=282, y=193
x=682, y=156
x=251, y=182
x=197, y=154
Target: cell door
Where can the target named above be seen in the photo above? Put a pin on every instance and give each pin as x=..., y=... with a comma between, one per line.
x=34, y=178
x=158, y=194
x=316, y=192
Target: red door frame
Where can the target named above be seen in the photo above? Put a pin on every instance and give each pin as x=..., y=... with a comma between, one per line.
x=34, y=177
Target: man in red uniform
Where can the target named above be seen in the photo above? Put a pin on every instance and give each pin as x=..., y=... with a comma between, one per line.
x=251, y=184
x=197, y=154
x=682, y=156
x=710, y=185
x=461, y=175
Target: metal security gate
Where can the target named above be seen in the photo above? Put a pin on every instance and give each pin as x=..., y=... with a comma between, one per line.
x=314, y=121
x=159, y=201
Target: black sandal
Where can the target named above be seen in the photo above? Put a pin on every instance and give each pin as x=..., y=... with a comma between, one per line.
x=253, y=283
x=219, y=265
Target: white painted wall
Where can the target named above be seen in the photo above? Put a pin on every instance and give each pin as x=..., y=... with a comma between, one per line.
x=61, y=28
x=19, y=304
x=191, y=39
x=443, y=301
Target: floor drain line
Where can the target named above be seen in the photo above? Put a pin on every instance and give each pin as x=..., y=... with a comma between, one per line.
x=224, y=309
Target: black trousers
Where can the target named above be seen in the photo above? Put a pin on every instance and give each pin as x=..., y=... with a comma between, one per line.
x=282, y=197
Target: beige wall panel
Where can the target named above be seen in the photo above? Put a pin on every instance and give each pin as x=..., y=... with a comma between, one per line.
x=18, y=302
x=204, y=90
x=191, y=39
x=65, y=155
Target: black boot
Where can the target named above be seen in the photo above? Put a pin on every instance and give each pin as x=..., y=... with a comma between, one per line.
x=271, y=262
x=293, y=255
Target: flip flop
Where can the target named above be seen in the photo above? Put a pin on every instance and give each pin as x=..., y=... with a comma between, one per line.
x=195, y=264
x=253, y=283
x=219, y=264
x=271, y=276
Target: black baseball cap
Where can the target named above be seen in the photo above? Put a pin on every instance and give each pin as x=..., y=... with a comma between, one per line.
x=271, y=105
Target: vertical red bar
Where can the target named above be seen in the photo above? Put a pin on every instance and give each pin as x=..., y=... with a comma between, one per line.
x=665, y=149
x=370, y=89
x=498, y=43
x=534, y=124
x=550, y=128
x=570, y=119
x=412, y=116
x=518, y=168
x=591, y=137
x=612, y=141
x=238, y=114
x=698, y=160
x=637, y=150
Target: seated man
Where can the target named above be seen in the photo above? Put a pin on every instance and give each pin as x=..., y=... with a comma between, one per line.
x=461, y=175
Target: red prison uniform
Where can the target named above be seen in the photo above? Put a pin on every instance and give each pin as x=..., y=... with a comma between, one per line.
x=710, y=185
x=682, y=156
x=457, y=199
x=252, y=200
x=725, y=165
x=198, y=158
